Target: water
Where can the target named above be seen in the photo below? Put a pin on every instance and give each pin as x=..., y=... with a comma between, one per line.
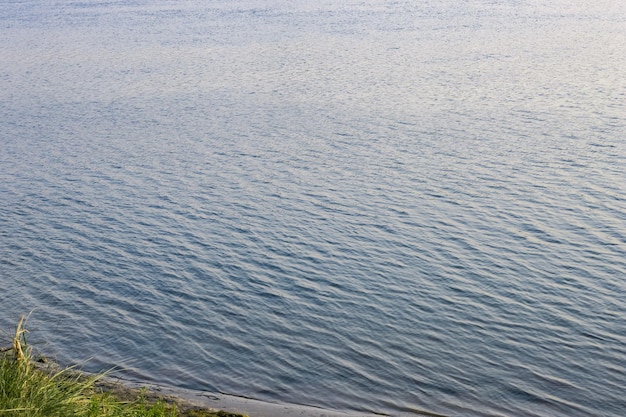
x=367, y=206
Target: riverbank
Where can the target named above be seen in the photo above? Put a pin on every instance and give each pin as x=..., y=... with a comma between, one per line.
x=185, y=402
x=33, y=386
x=187, y=399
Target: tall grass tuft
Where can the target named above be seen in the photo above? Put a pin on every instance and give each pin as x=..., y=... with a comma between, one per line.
x=27, y=391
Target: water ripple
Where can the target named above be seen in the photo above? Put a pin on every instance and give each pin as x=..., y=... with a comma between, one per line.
x=381, y=207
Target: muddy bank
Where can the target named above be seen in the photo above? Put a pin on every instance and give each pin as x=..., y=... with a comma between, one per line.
x=190, y=400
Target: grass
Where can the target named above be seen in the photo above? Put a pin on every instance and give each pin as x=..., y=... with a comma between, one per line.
x=27, y=390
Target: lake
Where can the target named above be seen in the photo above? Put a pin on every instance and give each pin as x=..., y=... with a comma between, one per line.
x=372, y=206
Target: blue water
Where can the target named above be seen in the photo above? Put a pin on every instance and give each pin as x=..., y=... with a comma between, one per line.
x=368, y=206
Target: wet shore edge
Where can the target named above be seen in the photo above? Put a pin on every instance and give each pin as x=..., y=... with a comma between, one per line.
x=186, y=399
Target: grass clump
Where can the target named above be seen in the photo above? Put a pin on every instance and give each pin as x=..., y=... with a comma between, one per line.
x=27, y=390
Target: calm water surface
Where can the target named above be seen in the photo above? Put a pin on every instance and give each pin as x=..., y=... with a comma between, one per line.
x=369, y=206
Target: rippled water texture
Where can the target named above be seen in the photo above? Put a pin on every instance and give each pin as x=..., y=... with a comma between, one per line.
x=370, y=205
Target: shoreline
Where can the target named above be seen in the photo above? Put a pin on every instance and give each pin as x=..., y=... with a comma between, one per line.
x=188, y=401
x=192, y=399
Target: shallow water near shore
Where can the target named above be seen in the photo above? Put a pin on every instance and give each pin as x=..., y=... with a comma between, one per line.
x=365, y=206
